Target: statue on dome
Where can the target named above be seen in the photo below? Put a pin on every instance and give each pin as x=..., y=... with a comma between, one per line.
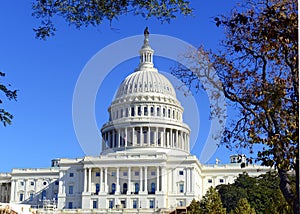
x=146, y=31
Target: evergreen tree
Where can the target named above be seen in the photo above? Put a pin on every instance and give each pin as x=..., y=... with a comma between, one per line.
x=243, y=207
x=211, y=203
x=194, y=207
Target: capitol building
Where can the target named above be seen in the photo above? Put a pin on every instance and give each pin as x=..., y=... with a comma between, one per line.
x=145, y=165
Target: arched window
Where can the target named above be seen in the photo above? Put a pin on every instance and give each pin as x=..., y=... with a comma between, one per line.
x=136, y=188
x=153, y=187
x=124, y=188
x=97, y=188
x=113, y=188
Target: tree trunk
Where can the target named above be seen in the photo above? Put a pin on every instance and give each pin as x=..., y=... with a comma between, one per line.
x=286, y=189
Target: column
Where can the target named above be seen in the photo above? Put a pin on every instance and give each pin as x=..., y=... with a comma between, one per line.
x=125, y=137
x=105, y=181
x=35, y=186
x=168, y=139
x=146, y=180
x=172, y=138
x=176, y=140
x=132, y=137
x=25, y=189
x=129, y=181
x=181, y=139
x=163, y=179
x=156, y=137
x=141, y=179
x=118, y=138
x=148, y=136
x=141, y=134
x=113, y=139
x=14, y=190
x=84, y=181
x=157, y=179
x=118, y=181
x=101, y=180
x=188, y=180
x=184, y=140
x=90, y=180
x=192, y=180
x=163, y=138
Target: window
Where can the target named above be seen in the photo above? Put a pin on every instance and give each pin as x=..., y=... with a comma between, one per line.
x=31, y=197
x=97, y=188
x=111, y=203
x=71, y=174
x=113, y=174
x=181, y=188
x=45, y=183
x=44, y=194
x=113, y=188
x=136, y=173
x=97, y=174
x=124, y=188
x=70, y=205
x=169, y=113
x=181, y=203
x=21, y=196
x=124, y=173
x=31, y=183
x=139, y=111
x=71, y=189
x=151, y=203
x=146, y=111
x=132, y=111
x=22, y=183
x=134, y=203
x=153, y=173
x=56, y=183
x=136, y=188
x=152, y=111
x=158, y=112
x=181, y=172
x=95, y=204
x=153, y=187
x=210, y=181
x=221, y=180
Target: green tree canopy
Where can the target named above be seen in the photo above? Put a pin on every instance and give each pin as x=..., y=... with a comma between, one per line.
x=92, y=13
x=5, y=116
x=262, y=193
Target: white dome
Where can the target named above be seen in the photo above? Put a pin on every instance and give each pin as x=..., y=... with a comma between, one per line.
x=144, y=82
x=145, y=113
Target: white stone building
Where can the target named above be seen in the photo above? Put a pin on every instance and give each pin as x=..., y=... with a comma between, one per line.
x=145, y=165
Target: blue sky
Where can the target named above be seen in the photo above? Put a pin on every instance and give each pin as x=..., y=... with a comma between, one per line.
x=46, y=72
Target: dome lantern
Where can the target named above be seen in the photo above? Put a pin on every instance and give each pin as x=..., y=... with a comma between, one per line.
x=146, y=53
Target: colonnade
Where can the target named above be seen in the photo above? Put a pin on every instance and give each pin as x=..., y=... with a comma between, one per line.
x=134, y=176
x=145, y=136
